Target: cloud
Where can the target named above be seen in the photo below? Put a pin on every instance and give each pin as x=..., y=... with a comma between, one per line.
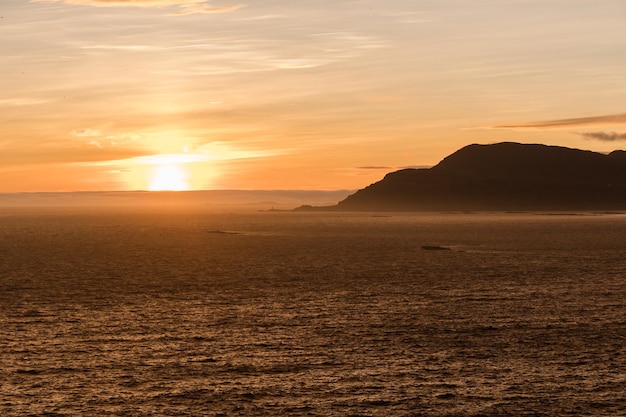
x=85, y=133
x=186, y=6
x=613, y=119
x=263, y=17
x=122, y=47
x=205, y=8
x=604, y=136
x=95, y=137
x=171, y=159
x=23, y=101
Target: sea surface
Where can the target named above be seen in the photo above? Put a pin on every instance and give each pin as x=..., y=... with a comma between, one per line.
x=187, y=313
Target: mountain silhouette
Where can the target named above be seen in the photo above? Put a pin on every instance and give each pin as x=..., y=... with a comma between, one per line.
x=502, y=176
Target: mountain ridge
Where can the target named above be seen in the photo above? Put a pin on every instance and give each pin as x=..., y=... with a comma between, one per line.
x=501, y=176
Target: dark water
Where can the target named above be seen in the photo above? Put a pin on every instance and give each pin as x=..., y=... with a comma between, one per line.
x=201, y=314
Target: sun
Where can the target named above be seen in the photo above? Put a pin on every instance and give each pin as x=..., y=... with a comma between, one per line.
x=168, y=177
x=166, y=172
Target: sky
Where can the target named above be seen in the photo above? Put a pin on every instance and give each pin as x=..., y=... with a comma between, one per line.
x=294, y=94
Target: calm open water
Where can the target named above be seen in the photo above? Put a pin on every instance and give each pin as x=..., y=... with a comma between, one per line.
x=151, y=313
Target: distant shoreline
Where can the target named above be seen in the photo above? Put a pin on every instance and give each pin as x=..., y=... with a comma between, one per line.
x=244, y=199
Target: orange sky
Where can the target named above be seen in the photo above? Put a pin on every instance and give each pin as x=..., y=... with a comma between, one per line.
x=172, y=94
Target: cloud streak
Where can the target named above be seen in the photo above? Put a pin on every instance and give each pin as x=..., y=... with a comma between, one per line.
x=604, y=136
x=612, y=119
x=186, y=6
x=205, y=8
x=85, y=133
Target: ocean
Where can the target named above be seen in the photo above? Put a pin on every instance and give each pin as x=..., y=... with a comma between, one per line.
x=184, y=312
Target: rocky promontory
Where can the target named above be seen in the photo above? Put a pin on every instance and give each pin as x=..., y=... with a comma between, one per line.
x=501, y=176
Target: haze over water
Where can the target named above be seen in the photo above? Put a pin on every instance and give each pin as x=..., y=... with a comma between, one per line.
x=186, y=313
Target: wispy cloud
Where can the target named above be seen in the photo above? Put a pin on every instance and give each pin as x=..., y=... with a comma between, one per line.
x=262, y=17
x=23, y=101
x=604, y=136
x=186, y=6
x=95, y=137
x=85, y=133
x=123, y=47
x=607, y=120
x=356, y=40
x=205, y=8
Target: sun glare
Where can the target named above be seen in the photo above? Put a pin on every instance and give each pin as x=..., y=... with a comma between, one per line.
x=170, y=177
x=167, y=172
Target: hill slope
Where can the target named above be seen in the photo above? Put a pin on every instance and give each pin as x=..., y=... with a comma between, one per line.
x=503, y=176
